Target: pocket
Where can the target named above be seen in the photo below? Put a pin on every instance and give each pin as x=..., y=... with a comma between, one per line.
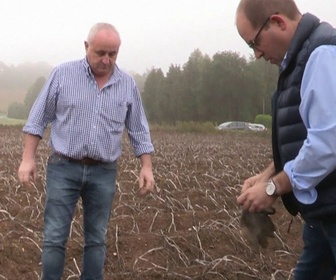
x=115, y=114
x=110, y=165
x=55, y=159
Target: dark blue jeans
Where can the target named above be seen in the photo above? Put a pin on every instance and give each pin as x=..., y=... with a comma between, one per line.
x=66, y=182
x=318, y=258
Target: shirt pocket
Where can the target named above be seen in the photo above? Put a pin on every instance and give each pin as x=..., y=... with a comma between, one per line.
x=114, y=113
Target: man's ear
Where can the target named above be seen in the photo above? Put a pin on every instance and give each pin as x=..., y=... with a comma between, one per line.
x=279, y=20
x=86, y=44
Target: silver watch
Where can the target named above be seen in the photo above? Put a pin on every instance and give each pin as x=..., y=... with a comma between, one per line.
x=271, y=189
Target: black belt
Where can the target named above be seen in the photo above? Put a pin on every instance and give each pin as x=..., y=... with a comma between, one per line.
x=84, y=161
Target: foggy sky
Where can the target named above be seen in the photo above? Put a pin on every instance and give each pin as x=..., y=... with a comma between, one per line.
x=154, y=33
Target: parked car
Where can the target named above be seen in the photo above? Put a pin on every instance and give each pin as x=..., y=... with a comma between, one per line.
x=256, y=127
x=236, y=125
x=239, y=125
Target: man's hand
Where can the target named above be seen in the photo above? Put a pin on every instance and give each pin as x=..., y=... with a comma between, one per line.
x=255, y=199
x=146, y=180
x=27, y=171
x=258, y=226
x=250, y=182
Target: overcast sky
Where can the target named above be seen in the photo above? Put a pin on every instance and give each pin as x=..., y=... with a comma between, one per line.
x=154, y=33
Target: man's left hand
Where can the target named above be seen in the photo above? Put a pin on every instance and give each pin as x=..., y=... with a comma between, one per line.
x=255, y=199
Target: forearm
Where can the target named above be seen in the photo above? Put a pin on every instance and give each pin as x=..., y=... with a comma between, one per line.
x=282, y=183
x=146, y=160
x=30, y=146
x=268, y=172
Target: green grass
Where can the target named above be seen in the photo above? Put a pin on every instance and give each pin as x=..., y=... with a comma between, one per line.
x=204, y=127
x=198, y=127
x=8, y=121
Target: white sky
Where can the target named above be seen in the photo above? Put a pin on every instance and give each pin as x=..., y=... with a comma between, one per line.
x=154, y=33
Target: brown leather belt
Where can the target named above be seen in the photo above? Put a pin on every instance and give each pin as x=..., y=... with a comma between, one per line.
x=83, y=161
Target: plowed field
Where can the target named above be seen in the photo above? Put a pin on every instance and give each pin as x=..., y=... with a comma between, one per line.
x=189, y=229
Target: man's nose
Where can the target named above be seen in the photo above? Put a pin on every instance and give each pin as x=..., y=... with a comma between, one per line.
x=106, y=60
x=257, y=53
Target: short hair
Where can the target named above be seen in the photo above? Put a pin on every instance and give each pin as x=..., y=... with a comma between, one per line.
x=256, y=11
x=100, y=26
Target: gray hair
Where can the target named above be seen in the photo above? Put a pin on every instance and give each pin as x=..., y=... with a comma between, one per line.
x=100, y=26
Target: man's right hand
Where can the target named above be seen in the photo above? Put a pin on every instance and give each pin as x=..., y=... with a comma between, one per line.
x=27, y=171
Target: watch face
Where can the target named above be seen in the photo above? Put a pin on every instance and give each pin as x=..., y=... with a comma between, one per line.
x=270, y=188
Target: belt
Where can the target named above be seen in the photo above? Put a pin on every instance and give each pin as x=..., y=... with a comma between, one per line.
x=83, y=161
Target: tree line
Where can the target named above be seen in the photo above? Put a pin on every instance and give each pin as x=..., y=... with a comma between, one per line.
x=226, y=87
x=16, y=79
x=18, y=110
x=222, y=88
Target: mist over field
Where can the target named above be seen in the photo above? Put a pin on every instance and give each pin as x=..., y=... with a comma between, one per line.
x=16, y=79
x=154, y=35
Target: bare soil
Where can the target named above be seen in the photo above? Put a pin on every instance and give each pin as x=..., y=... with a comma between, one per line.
x=189, y=229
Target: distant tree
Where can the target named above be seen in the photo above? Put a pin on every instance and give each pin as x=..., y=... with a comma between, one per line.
x=33, y=92
x=22, y=75
x=21, y=111
x=151, y=96
x=15, y=79
x=193, y=86
x=266, y=120
x=226, y=87
x=173, y=92
x=140, y=80
x=16, y=111
x=264, y=77
x=225, y=82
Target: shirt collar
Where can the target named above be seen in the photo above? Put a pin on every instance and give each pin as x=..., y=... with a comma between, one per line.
x=284, y=63
x=87, y=67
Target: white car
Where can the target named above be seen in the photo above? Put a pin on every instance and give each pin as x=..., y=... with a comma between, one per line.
x=256, y=127
x=238, y=125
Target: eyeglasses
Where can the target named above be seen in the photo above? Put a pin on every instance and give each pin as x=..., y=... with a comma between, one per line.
x=253, y=42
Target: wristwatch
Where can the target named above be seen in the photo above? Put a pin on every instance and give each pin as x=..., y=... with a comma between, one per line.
x=271, y=189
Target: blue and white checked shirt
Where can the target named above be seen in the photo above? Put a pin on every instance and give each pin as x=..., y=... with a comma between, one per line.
x=86, y=121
